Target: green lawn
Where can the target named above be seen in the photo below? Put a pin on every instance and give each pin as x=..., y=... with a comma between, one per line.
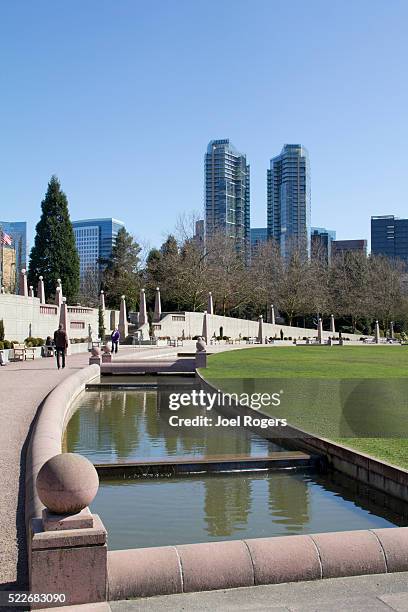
x=356, y=395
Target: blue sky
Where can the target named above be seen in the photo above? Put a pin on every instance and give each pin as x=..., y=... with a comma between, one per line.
x=120, y=99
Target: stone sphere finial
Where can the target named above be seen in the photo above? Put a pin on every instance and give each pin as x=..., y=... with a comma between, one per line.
x=96, y=351
x=40, y=278
x=200, y=345
x=23, y=271
x=107, y=348
x=122, y=297
x=102, y=291
x=67, y=483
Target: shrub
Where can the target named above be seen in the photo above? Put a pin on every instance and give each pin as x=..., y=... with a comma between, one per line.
x=1, y=345
x=1, y=330
x=7, y=344
x=285, y=338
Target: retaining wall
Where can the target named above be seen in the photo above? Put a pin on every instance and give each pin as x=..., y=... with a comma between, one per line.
x=26, y=316
x=190, y=324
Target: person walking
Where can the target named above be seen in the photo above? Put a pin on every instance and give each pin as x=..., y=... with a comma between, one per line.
x=115, y=337
x=61, y=345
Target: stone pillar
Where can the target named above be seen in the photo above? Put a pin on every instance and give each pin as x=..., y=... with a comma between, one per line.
x=142, y=309
x=272, y=314
x=64, y=316
x=201, y=354
x=210, y=306
x=102, y=299
x=320, y=331
x=392, y=330
x=23, y=287
x=31, y=291
x=68, y=552
x=332, y=325
x=107, y=353
x=123, y=324
x=205, y=332
x=58, y=296
x=41, y=290
x=260, y=330
x=95, y=358
x=377, y=333
x=157, y=306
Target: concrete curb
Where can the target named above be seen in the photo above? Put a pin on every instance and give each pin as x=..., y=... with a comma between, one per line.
x=49, y=427
x=147, y=572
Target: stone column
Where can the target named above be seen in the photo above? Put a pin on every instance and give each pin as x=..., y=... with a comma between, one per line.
x=392, y=330
x=377, y=333
x=67, y=545
x=157, y=306
x=41, y=290
x=210, y=306
x=31, y=291
x=142, y=308
x=332, y=325
x=205, y=332
x=320, y=331
x=260, y=330
x=123, y=324
x=272, y=314
x=201, y=354
x=58, y=296
x=63, y=320
x=23, y=288
x=102, y=300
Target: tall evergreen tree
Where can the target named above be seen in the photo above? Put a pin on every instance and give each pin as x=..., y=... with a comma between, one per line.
x=121, y=275
x=54, y=254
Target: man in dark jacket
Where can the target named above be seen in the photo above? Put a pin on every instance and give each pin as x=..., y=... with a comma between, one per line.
x=115, y=337
x=61, y=345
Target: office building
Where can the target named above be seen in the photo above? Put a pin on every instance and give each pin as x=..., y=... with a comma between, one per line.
x=321, y=243
x=389, y=236
x=17, y=230
x=259, y=235
x=347, y=246
x=227, y=196
x=198, y=237
x=94, y=241
x=289, y=199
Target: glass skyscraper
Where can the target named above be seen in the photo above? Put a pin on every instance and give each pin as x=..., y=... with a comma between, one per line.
x=289, y=199
x=389, y=236
x=227, y=197
x=94, y=240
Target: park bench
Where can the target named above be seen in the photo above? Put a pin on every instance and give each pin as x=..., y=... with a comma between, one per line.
x=21, y=352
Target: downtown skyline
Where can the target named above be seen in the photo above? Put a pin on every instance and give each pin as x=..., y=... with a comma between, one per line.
x=138, y=103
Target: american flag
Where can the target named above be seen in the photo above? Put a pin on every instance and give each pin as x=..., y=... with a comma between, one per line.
x=5, y=239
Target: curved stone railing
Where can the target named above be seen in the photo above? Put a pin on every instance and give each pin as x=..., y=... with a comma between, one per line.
x=147, y=572
x=46, y=438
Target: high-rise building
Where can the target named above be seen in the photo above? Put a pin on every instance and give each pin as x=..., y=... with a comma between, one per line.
x=17, y=230
x=347, y=246
x=259, y=235
x=289, y=199
x=227, y=199
x=389, y=236
x=321, y=243
x=94, y=240
x=199, y=233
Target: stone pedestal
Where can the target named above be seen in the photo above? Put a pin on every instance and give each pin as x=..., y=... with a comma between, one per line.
x=106, y=357
x=68, y=560
x=95, y=359
x=201, y=359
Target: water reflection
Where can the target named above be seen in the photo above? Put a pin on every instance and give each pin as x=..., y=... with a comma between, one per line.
x=161, y=512
x=134, y=424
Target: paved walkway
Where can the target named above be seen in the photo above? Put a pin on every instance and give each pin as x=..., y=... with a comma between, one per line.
x=23, y=386
x=381, y=592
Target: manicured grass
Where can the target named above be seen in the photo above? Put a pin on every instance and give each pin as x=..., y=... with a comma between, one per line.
x=356, y=395
x=311, y=362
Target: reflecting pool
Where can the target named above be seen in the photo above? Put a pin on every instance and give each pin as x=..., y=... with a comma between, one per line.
x=133, y=424
x=159, y=512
